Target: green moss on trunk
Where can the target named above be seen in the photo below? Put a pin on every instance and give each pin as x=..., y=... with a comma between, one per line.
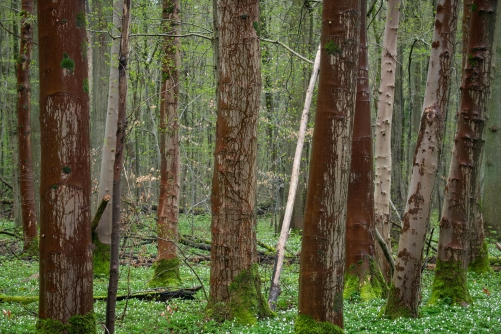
x=77, y=324
x=394, y=307
x=372, y=285
x=166, y=273
x=481, y=265
x=246, y=302
x=449, y=284
x=100, y=257
x=307, y=325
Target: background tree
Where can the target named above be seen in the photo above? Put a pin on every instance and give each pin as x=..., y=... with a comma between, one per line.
x=65, y=242
x=167, y=265
x=27, y=191
x=382, y=149
x=491, y=209
x=323, y=243
x=363, y=275
x=235, y=291
x=404, y=297
x=461, y=192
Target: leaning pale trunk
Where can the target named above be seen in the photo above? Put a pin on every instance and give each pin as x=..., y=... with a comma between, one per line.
x=382, y=134
x=461, y=191
x=235, y=285
x=65, y=238
x=167, y=265
x=404, y=294
x=323, y=245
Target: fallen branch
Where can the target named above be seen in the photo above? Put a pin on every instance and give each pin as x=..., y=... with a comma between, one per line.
x=498, y=245
x=386, y=251
x=6, y=183
x=100, y=211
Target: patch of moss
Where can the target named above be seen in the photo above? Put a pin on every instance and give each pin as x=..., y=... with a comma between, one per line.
x=80, y=20
x=372, y=286
x=246, y=302
x=394, y=307
x=77, y=324
x=307, y=325
x=67, y=63
x=255, y=24
x=166, y=273
x=18, y=299
x=86, y=85
x=100, y=257
x=332, y=48
x=449, y=284
x=481, y=265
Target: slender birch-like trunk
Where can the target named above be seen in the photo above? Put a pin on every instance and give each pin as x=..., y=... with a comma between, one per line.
x=284, y=233
x=323, y=244
x=382, y=149
x=404, y=297
x=461, y=191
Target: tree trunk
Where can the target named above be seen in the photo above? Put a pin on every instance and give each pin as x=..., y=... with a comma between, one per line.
x=102, y=234
x=362, y=273
x=235, y=284
x=26, y=185
x=382, y=150
x=404, y=297
x=117, y=168
x=284, y=233
x=323, y=244
x=492, y=178
x=461, y=191
x=65, y=238
x=167, y=265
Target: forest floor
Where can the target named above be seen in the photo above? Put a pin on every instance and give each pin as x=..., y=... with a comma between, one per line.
x=19, y=277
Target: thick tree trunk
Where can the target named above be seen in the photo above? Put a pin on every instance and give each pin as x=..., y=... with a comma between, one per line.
x=382, y=149
x=492, y=177
x=26, y=186
x=362, y=273
x=235, y=284
x=167, y=265
x=65, y=239
x=404, y=297
x=117, y=168
x=284, y=233
x=102, y=234
x=461, y=192
x=323, y=244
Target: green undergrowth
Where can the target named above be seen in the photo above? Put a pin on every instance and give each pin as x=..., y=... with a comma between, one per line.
x=19, y=277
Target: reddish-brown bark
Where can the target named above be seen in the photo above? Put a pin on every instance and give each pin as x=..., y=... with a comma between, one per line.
x=168, y=200
x=65, y=238
x=360, y=245
x=323, y=244
x=461, y=194
x=28, y=210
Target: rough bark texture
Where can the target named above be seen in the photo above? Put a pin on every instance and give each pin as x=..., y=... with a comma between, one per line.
x=365, y=277
x=233, y=254
x=323, y=244
x=101, y=235
x=382, y=149
x=492, y=177
x=461, y=191
x=26, y=186
x=117, y=169
x=168, y=200
x=65, y=239
x=405, y=289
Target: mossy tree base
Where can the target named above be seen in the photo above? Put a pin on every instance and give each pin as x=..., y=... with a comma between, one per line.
x=307, y=325
x=245, y=304
x=100, y=257
x=77, y=324
x=166, y=273
x=481, y=265
x=449, y=284
x=365, y=281
x=395, y=308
